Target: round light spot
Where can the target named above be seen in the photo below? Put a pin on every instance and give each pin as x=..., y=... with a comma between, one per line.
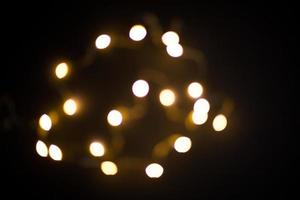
x=137, y=32
x=140, y=88
x=45, y=122
x=109, y=168
x=219, y=122
x=41, y=148
x=167, y=97
x=97, y=149
x=201, y=105
x=114, y=118
x=55, y=153
x=182, y=144
x=175, y=50
x=103, y=41
x=199, y=117
x=195, y=90
x=154, y=170
x=61, y=70
x=70, y=107
x=170, y=38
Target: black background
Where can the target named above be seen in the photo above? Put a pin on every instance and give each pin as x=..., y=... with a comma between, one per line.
x=247, y=47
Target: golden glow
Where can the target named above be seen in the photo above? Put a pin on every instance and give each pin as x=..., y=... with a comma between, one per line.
x=61, y=70
x=175, y=50
x=201, y=105
x=97, y=149
x=182, y=144
x=109, y=168
x=41, y=148
x=195, y=90
x=170, y=38
x=55, y=153
x=219, y=122
x=199, y=117
x=45, y=122
x=114, y=118
x=140, y=88
x=154, y=170
x=137, y=32
x=70, y=107
x=167, y=97
x=102, y=41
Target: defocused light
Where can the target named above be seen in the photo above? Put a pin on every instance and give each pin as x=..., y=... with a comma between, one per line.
x=199, y=117
x=140, y=88
x=154, y=170
x=114, y=118
x=70, y=107
x=182, y=144
x=109, y=168
x=41, y=148
x=55, y=152
x=175, y=50
x=137, y=32
x=195, y=90
x=167, y=97
x=201, y=105
x=61, y=70
x=103, y=41
x=170, y=38
x=219, y=122
x=45, y=122
x=97, y=149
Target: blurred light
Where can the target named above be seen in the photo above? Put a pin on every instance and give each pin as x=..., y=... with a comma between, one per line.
x=103, y=41
x=137, y=32
x=45, y=122
x=175, y=50
x=97, y=149
x=109, y=168
x=61, y=70
x=170, y=38
x=41, y=148
x=154, y=170
x=195, y=90
x=182, y=144
x=219, y=122
x=199, y=117
x=140, y=88
x=55, y=152
x=114, y=118
x=70, y=107
x=201, y=105
x=167, y=97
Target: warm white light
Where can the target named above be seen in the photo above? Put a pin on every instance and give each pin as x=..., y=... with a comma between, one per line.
x=167, y=97
x=219, y=122
x=97, y=149
x=201, y=105
x=182, y=144
x=103, y=41
x=154, y=170
x=70, y=107
x=109, y=168
x=45, y=122
x=170, y=38
x=55, y=153
x=199, y=117
x=175, y=50
x=137, y=32
x=140, y=88
x=41, y=148
x=195, y=90
x=114, y=118
x=61, y=70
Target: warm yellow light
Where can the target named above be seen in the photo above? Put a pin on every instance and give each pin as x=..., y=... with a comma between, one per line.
x=154, y=170
x=41, y=148
x=97, y=149
x=219, y=122
x=137, y=32
x=70, y=107
x=109, y=168
x=167, y=97
x=114, y=118
x=140, y=88
x=199, y=117
x=175, y=50
x=45, y=122
x=195, y=90
x=61, y=70
x=170, y=38
x=201, y=105
x=103, y=41
x=55, y=153
x=182, y=144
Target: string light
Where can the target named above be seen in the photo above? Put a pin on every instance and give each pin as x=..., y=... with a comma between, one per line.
x=109, y=168
x=70, y=107
x=114, y=118
x=167, y=97
x=199, y=118
x=103, y=41
x=140, y=88
x=182, y=144
x=154, y=170
x=170, y=38
x=219, y=122
x=195, y=90
x=61, y=70
x=175, y=50
x=201, y=105
x=137, y=32
x=55, y=153
x=41, y=148
x=97, y=149
x=45, y=122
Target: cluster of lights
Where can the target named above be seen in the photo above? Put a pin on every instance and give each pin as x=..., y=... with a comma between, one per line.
x=140, y=89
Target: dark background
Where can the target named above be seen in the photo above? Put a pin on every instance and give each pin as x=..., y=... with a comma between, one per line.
x=247, y=48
